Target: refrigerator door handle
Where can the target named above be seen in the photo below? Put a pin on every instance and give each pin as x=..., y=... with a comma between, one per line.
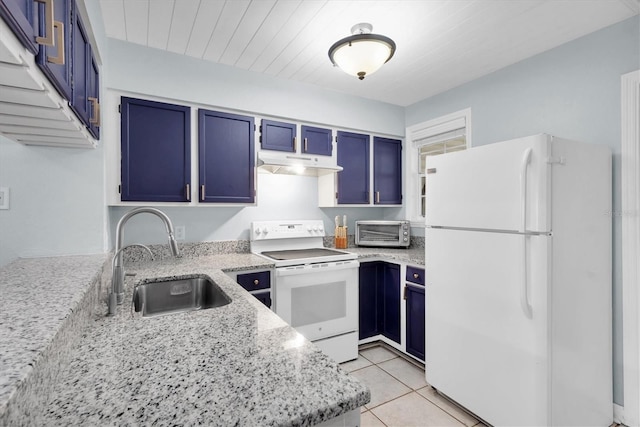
x=524, y=297
x=524, y=288
x=526, y=158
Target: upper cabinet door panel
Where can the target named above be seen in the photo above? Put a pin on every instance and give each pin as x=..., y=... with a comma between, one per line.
x=226, y=157
x=93, y=83
x=387, y=171
x=316, y=141
x=81, y=57
x=55, y=61
x=22, y=17
x=278, y=136
x=156, y=159
x=353, y=156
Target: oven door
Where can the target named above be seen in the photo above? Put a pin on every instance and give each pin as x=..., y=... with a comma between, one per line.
x=319, y=300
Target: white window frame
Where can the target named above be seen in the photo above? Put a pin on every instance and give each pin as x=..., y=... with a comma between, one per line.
x=430, y=128
x=630, y=216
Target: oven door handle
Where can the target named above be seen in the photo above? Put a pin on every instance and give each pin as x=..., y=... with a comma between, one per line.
x=319, y=267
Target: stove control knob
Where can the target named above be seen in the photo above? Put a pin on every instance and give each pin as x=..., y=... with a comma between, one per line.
x=321, y=229
x=315, y=228
x=309, y=228
x=258, y=230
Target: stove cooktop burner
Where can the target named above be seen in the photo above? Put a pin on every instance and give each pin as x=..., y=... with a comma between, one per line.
x=300, y=253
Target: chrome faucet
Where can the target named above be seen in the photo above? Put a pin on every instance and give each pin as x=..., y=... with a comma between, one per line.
x=117, y=280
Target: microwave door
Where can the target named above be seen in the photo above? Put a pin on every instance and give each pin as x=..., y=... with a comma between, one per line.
x=379, y=235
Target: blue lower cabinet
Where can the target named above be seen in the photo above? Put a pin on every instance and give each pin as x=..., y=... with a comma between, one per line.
x=155, y=148
x=379, y=300
x=391, y=290
x=415, y=314
x=226, y=158
x=369, y=300
x=353, y=180
x=263, y=297
x=258, y=284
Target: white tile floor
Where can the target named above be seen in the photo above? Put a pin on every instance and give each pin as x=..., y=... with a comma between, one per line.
x=400, y=395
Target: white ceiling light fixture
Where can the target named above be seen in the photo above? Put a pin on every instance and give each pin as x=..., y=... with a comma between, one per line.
x=362, y=53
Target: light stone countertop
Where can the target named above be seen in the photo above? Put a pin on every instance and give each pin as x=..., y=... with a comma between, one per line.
x=65, y=363
x=38, y=297
x=409, y=256
x=239, y=364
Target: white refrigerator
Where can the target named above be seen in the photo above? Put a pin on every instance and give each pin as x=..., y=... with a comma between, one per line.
x=518, y=281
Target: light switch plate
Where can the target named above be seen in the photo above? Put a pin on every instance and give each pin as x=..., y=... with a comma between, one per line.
x=4, y=197
x=180, y=232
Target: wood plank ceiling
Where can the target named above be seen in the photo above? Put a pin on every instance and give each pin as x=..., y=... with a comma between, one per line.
x=440, y=44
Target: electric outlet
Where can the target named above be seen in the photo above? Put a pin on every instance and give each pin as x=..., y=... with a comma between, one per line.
x=4, y=197
x=180, y=232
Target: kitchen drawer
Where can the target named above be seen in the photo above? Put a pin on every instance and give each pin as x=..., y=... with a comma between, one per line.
x=255, y=281
x=415, y=275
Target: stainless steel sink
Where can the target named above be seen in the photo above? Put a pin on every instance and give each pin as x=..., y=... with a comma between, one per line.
x=177, y=296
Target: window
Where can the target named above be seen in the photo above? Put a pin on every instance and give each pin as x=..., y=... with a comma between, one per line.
x=443, y=135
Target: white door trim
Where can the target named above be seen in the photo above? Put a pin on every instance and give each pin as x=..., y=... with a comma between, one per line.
x=630, y=216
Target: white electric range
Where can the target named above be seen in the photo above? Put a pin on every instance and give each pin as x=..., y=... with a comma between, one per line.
x=315, y=288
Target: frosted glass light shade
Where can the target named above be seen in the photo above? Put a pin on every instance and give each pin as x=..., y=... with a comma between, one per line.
x=361, y=55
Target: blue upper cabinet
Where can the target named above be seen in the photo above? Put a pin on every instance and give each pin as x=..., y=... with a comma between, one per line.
x=387, y=171
x=22, y=17
x=93, y=90
x=226, y=157
x=55, y=61
x=316, y=141
x=85, y=99
x=278, y=136
x=353, y=156
x=156, y=155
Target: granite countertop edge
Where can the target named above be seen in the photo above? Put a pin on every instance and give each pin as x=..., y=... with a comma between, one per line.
x=24, y=272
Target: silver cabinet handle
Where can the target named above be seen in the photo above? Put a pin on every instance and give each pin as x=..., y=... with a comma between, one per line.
x=202, y=193
x=58, y=29
x=95, y=111
x=188, y=192
x=47, y=40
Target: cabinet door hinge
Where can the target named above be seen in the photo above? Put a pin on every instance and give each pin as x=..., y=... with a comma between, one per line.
x=336, y=137
x=120, y=109
x=254, y=127
x=336, y=195
x=404, y=293
x=119, y=189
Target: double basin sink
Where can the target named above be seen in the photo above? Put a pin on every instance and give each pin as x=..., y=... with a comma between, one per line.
x=177, y=296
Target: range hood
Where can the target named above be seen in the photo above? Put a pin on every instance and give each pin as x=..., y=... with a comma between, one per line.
x=293, y=164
